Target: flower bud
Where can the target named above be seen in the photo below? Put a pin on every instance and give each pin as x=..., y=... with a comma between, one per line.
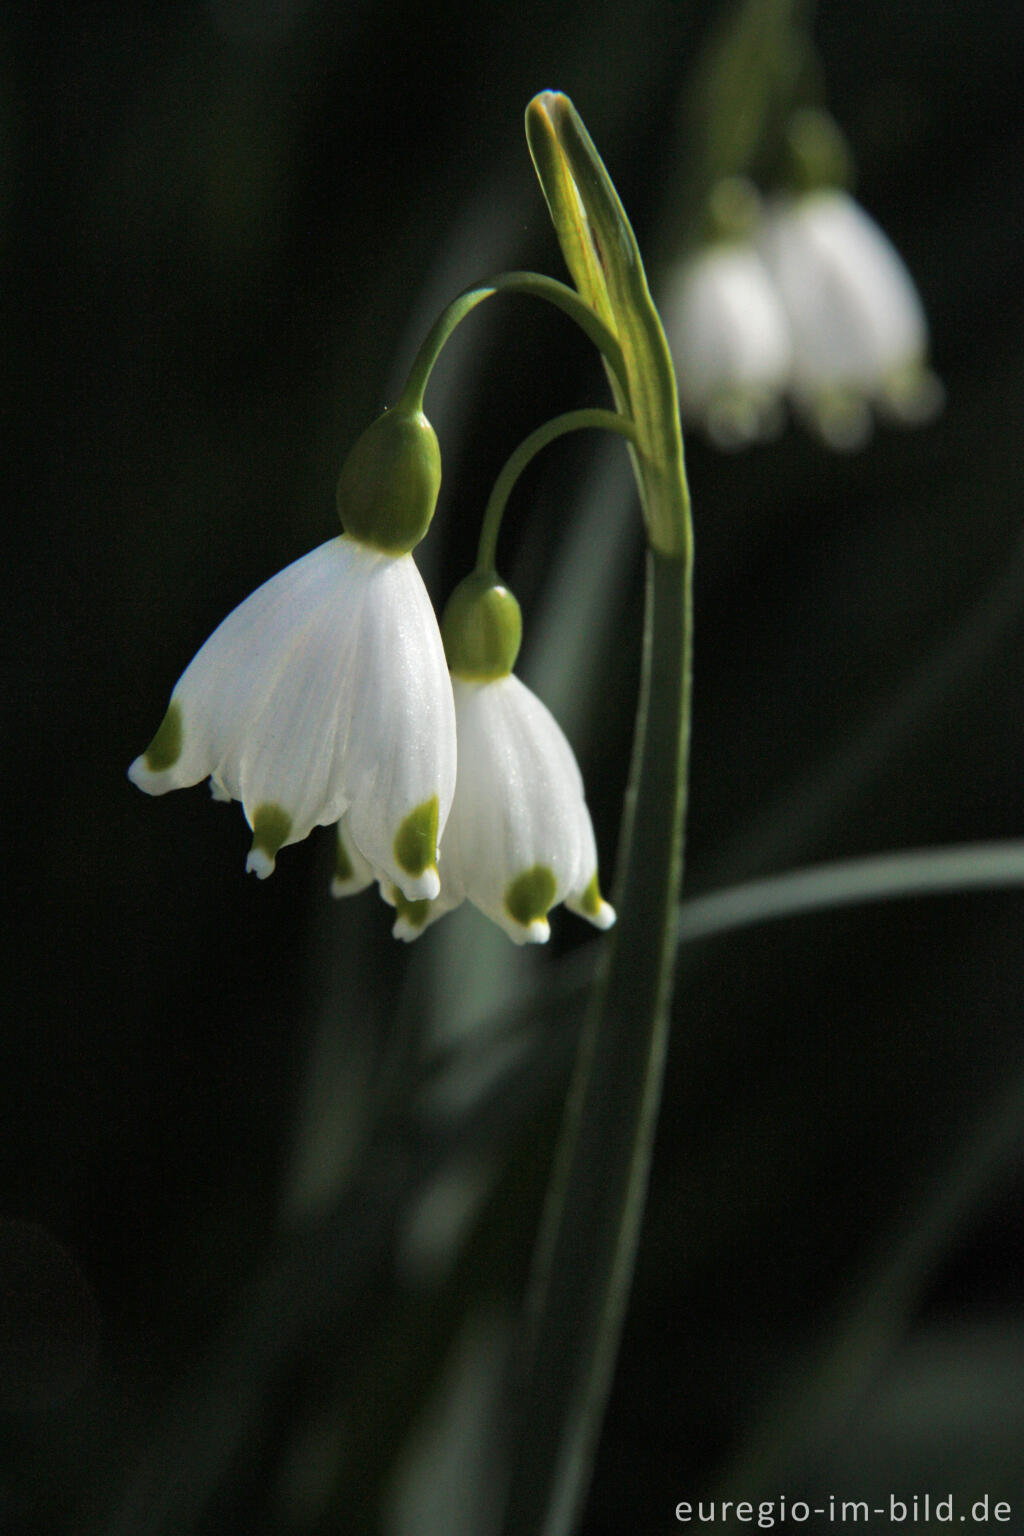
x=387, y=490
x=482, y=628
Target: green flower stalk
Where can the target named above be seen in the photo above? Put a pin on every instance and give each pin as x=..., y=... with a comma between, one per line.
x=590, y=1228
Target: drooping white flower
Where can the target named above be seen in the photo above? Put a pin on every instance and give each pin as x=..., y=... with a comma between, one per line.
x=325, y=695
x=858, y=328
x=730, y=342
x=519, y=839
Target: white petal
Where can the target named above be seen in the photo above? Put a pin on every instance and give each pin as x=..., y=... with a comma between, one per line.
x=327, y=687
x=228, y=693
x=404, y=754
x=519, y=805
x=352, y=873
x=854, y=311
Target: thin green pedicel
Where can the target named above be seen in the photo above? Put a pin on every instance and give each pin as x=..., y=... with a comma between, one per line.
x=165, y=748
x=416, y=838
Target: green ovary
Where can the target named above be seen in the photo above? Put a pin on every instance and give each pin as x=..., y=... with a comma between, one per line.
x=270, y=828
x=165, y=748
x=531, y=895
x=416, y=839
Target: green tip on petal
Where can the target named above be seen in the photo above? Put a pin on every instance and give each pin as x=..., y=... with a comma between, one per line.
x=387, y=490
x=410, y=916
x=590, y=901
x=530, y=896
x=270, y=828
x=343, y=870
x=416, y=839
x=165, y=748
x=592, y=905
x=482, y=628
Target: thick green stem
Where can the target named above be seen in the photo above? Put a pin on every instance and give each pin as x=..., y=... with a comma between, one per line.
x=538, y=286
x=558, y=426
x=591, y=1225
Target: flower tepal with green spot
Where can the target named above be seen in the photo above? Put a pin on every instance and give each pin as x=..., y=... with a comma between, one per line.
x=325, y=697
x=519, y=839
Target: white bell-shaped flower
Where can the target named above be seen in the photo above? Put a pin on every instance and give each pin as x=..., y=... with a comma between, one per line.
x=519, y=839
x=726, y=326
x=858, y=328
x=326, y=695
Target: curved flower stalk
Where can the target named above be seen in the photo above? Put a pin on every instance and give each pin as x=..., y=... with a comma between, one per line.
x=519, y=839
x=325, y=695
x=727, y=327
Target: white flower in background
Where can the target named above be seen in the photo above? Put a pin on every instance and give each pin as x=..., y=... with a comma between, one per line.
x=727, y=328
x=519, y=839
x=860, y=338
x=326, y=695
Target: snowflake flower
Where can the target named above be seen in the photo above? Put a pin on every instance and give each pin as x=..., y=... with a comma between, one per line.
x=325, y=694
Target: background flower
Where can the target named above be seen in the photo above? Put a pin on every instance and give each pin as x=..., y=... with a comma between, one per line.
x=858, y=327
x=730, y=343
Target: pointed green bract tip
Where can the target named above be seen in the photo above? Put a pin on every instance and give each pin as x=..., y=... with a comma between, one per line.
x=387, y=490
x=592, y=901
x=482, y=628
x=270, y=828
x=414, y=912
x=531, y=895
x=165, y=748
x=416, y=839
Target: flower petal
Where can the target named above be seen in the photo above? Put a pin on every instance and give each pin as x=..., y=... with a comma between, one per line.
x=326, y=689
x=853, y=308
x=400, y=766
x=519, y=838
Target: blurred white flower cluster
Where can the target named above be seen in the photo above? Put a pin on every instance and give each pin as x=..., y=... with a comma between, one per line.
x=800, y=299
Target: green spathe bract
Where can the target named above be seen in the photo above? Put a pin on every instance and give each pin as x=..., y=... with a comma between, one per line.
x=482, y=628
x=388, y=486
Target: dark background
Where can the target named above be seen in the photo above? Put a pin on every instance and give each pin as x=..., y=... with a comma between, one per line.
x=223, y=230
